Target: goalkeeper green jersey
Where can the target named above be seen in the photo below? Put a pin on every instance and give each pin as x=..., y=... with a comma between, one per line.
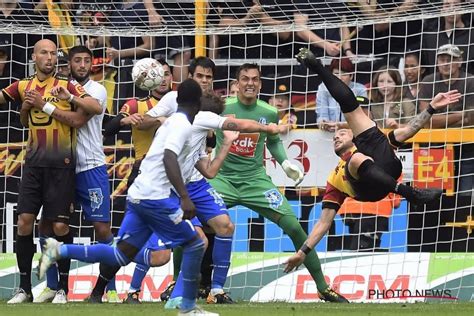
x=246, y=155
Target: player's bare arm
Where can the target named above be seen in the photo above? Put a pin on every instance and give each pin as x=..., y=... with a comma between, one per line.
x=209, y=168
x=149, y=122
x=133, y=119
x=319, y=230
x=440, y=101
x=443, y=119
x=88, y=104
x=24, y=113
x=74, y=119
x=173, y=172
x=249, y=126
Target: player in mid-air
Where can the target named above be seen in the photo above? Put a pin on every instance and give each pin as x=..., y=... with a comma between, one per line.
x=368, y=169
x=242, y=179
x=158, y=202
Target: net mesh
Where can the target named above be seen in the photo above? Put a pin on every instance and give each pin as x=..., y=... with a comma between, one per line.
x=402, y=36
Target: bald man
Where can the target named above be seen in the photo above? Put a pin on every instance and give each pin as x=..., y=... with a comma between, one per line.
x=48, y=103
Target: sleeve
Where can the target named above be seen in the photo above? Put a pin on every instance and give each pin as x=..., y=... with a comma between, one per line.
x=322, y=107
x=113, y=126
x=166, y=106
x=76, y=89
x=209, y=120
x=275, y=145
x=11, y=93
x=333, y=198
x=130, y=107
x=100, y=94
x=181, y=132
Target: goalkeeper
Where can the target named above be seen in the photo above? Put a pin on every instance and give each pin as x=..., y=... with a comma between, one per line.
x=242, y=179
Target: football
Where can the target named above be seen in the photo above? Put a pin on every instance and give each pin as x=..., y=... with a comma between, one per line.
x=147, y=74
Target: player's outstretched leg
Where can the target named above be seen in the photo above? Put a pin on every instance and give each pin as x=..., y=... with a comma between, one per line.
x=362, y=167
x=289, y=224
x=355, y=117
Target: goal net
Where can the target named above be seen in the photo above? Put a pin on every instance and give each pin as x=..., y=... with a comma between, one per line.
x=397, y=55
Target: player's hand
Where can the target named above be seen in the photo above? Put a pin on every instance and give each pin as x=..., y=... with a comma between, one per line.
x=443, y=99
x=273, y=129
x=230, y=136
x=294, y=261
x=134, y=119
x=34, y=98
x=189, y=210
x=26, y=106
x=293, y=172
x=61, y=93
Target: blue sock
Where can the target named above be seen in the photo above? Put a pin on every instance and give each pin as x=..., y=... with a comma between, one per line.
x=52, y=273
x=109, y=241
x=95, y=253
x=191, y=270
x=143, y=257
x=178, y=287
x=221, y=260
x=138, y=276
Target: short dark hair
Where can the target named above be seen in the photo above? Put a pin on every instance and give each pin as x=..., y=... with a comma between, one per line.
x=189, y=94
x=247, y=66
x=163, y=62
x=204, y=62
x=79, y=49
x=212, y=102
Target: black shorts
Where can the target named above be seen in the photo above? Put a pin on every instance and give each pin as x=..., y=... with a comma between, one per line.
x=52, y=188
x=375, y=144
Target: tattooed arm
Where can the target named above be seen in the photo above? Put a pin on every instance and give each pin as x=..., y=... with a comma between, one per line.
x=248, y=126
x=441, y=100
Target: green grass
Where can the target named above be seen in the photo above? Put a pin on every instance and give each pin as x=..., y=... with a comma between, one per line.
x=243, y=309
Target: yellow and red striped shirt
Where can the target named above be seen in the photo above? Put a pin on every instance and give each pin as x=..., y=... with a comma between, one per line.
x=51, y=143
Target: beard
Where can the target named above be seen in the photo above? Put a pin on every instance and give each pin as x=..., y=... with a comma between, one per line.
x=80, y=78
x=47, y=71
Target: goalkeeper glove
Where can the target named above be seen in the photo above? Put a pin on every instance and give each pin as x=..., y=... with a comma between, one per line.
x=293, y=172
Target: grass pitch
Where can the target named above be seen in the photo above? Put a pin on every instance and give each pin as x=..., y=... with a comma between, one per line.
x=242, y=309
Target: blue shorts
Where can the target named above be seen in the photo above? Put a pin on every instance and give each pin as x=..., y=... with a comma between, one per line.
x=93, y=193
x=208, y=202
x=155, y=243
x=163, y=217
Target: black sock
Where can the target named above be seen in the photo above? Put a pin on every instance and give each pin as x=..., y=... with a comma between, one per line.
x=106, y=274
x=338, y=89
x=25, y=250
x=64, y=265
x=206, y=265
x=369, y=171
x=406, y=191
